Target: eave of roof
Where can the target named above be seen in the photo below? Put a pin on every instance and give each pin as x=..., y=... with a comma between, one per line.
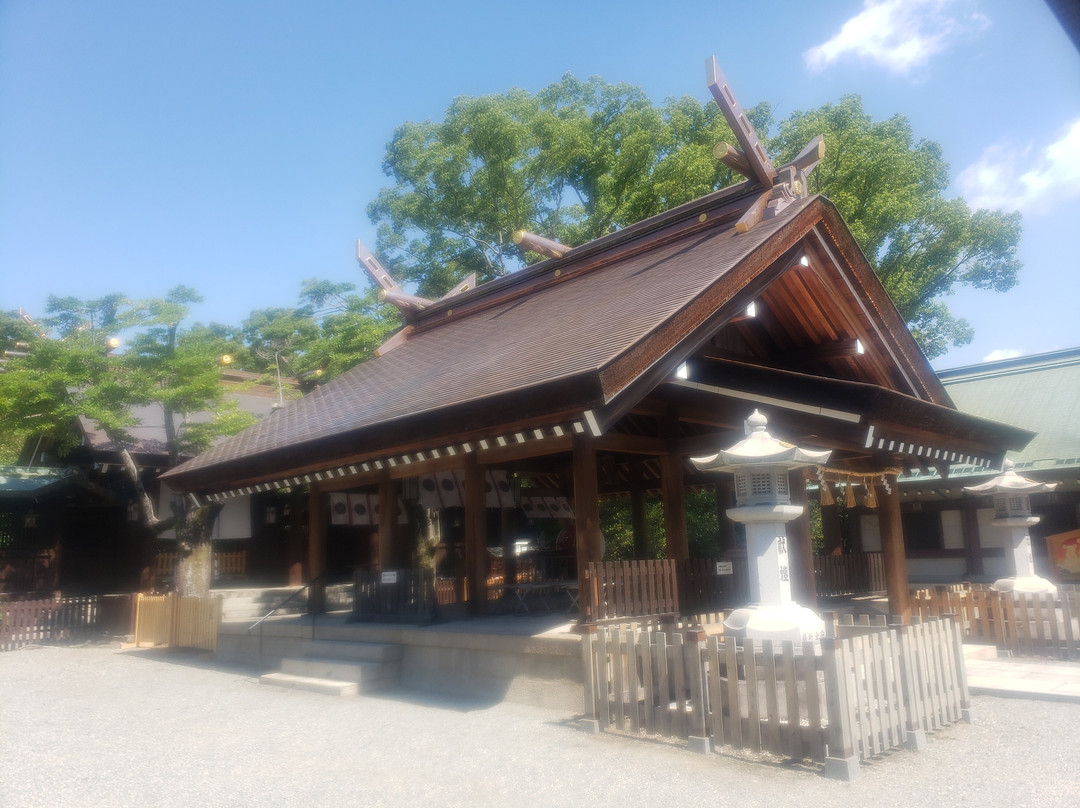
x=587, y=334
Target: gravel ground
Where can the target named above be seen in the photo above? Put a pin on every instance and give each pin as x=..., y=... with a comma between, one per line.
x=94, y=726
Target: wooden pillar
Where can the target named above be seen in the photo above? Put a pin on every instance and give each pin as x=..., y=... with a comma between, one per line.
x=832, y=537
x=317, y=549
x=892, y=551
x=586, y=503
x=673, y=492
x=637, y=523
x=509, y=560
x=295, y=532
x=800, y=544
x=476, y=560
x=725, y=485
x=969, y=521
x=389, y=551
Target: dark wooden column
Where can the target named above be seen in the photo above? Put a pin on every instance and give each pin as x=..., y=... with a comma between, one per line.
x=892, y=551
x=476, y=566
x=509, y=560
x=637, y=523
x=832, y=538
x=673, y=492
x=295, y=532
x=969, y=520
x=800, y=544
x=389, y=551
x=586, y=503
x=725, y=485
x=317, y=549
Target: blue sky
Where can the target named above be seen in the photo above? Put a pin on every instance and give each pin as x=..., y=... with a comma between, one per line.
x=234, y=146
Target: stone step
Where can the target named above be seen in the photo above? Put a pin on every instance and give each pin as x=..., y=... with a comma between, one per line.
x=328, y=687
x=368, y=676
x=352, y=651
x=980, y=651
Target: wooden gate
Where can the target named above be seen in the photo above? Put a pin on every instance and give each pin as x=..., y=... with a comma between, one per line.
x=177, y=622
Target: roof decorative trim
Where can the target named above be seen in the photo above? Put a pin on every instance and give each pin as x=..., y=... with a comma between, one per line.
x=585, y=425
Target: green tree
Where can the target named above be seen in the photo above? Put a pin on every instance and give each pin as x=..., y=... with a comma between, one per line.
x=579, y=159
x=76, y=373
x=574, y=161
x=329, y=331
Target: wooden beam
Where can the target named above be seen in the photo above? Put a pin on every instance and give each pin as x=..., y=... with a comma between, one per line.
x=892, y=550
x=753, y=214
x=812, y=154
x=317, y=549
x=824, y=352
x=631, y=444
x=586, y=503
x=476, y=557
x=389, y=551
x=762, y=166
x=464, y=286
x=404, y=301
x=539, y=244
x=733, y=159
x=523, y=451
x=637, y=523
x=374, y=269
x=969, y=521
x=398, y=339
x=673, y=492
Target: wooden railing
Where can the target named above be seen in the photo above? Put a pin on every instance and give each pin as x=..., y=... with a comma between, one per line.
x=850, y=574
x=1025, y=624
x=32, y=622
x=836, y=702
x=226, y=565
x=177, y=622
x=625, y=589
x=407, y=595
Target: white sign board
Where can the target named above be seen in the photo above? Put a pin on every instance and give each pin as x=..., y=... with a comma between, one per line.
x=389, y=577
x=725, y=568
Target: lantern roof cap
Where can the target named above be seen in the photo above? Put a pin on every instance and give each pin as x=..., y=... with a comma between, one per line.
x=1009, y=482
x=759, y=448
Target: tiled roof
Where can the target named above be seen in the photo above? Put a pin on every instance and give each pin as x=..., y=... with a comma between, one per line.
x=505, y=345
x=1038, y=392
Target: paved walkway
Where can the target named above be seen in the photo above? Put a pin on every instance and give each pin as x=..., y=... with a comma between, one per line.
x=1024, y=677
x=99, y=728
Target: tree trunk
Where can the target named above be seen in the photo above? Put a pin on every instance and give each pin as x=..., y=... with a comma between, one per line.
x=194, y=557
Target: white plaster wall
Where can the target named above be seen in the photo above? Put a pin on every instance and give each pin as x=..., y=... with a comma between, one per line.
x=234, y=521
x=952, y=530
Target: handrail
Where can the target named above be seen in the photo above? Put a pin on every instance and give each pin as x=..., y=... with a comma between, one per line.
x=287, y=600
x=258, y=623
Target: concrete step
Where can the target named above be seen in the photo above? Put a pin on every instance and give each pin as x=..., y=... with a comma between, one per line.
x=352, y=651
x=368, y=676
x=328, y=687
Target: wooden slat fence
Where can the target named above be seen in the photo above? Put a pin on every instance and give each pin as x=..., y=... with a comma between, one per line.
x=177, y=622
x=849, y=574
x=625, y=589
x=33, y=622
x=226, y=565
x=846, y=697
x=1023, y=624
x=703, y=589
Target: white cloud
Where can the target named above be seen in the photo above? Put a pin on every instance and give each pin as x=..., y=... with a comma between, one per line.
x=1002, y=353
x=899, y=35
x=1011, y=177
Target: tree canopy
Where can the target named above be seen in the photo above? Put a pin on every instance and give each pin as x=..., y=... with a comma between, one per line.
x=579, y=159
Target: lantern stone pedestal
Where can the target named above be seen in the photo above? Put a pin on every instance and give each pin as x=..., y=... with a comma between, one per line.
x=1012, y=510
x=761, y=464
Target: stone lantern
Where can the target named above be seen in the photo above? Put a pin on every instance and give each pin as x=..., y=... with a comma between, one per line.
x=1012, y=510
x=761, y=464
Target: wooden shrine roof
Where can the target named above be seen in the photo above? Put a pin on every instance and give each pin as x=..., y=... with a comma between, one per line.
x=573, y=344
